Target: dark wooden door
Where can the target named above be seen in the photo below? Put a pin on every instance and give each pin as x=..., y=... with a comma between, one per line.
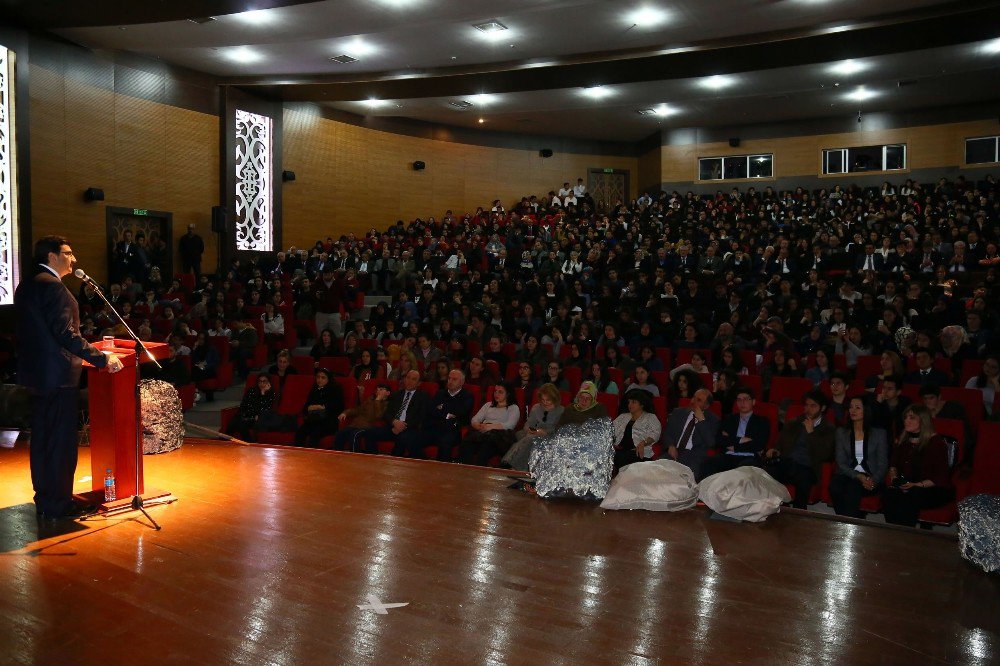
x=158, y=229
x=607, y=187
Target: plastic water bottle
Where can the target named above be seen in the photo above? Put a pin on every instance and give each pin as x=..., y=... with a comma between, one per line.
x=110, y=495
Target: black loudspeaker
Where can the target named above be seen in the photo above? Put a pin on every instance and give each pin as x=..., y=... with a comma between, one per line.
x=93, y=194
x=219, y=219
x=287, y=176
x=419, y=166
x=545, y=152
x=735, y=142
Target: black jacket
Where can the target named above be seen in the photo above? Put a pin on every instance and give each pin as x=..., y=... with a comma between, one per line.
x=758, y=430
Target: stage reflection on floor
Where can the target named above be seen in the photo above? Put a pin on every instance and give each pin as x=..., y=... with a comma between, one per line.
x=296, y=557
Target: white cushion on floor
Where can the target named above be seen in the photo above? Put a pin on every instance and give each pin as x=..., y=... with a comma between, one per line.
x=657, y=485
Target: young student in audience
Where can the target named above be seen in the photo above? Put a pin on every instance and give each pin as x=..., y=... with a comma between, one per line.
x=320, y=411
x=553, y=375
x=525, y=381
x=325, y=346
x=742, y=439
x=988, y=382
x=804, y=444
x=887, y=410
x=492, y=428
x=822, y=369
x=478, y=374
x=369, y=414
x=541, y=421
x=601, y=379
x=282, y=368
x=919, y=472
x=862, y=455
x=256, y=407
x=642, y=381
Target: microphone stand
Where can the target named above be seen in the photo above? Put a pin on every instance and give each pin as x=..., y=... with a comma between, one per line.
x=140, y=350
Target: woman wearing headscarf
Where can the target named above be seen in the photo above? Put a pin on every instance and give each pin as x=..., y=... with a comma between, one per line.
x=585, y=407
x=635, y=429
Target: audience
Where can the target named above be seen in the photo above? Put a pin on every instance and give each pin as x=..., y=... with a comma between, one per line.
x=862, y=455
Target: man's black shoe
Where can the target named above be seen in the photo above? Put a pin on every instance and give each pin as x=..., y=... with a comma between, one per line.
x=78, y=510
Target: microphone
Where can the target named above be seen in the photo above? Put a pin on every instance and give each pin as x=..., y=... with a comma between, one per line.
x=86, y=278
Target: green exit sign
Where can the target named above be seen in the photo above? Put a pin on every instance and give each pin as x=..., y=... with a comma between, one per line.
x=609, y=171
x=140, y=211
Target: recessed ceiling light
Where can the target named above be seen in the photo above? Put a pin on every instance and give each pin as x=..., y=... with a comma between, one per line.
x=359, y=48
x=493, y=31
x=481, y=121
x=257, y=17
x=375, y=103
x=847, y=67
x=597, y=92
x=484, y=99
x=992, y=46
x=861, y=94
x=661, y=111
x=717, y=82
x=646, y=17
x=243, y=54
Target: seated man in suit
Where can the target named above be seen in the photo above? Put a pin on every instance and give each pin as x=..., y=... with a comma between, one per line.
x=926, y=373
x=691, y=432
x=448, y=411
x=742, y=438
x=803, y=446
x=405, y=413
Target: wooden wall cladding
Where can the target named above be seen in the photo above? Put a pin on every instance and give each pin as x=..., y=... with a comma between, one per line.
x=928, y=146
x=350, y=179
x=650, y=169
x=143, y=154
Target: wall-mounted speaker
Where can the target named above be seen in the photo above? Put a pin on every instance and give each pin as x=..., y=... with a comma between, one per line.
x=93, y=194
x=419, y=166
x=734, y=142
x=287, y=176
x=545, y=152
x=219, y=219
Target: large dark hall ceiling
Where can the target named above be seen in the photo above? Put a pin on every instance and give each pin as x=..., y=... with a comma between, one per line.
x=574, y=68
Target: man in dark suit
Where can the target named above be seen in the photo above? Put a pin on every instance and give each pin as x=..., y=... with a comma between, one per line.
x=405, y=414
x=869, y=260
x=449, y=410
x=742, y=437
x=49, y=366
x=803, y=446
x=691, y=431
x=926, y=373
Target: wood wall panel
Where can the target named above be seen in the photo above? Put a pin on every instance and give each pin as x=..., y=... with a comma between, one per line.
x=928, y=147
x=349, y=178
x=141, y=153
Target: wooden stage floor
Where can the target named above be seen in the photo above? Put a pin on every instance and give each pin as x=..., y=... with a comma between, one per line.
x=268, y=552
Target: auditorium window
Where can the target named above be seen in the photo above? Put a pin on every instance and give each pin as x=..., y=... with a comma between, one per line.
x=982, y=150
x=736, y=167
x=859, y=159
x=8, y=181
x=254, y=228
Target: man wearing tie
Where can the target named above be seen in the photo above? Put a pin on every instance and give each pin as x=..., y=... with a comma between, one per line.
x=49, y=367
x=691, y=432
x=405, y=411
x=926, y=373
x=870, y=260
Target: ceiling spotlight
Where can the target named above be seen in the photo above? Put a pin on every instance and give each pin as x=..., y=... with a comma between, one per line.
x=493, y=31
x=483, y=99
x=481, y=121
x=717, y=82
x=597, y=92
x=257, y=17
x=665, y=110
x=359, y=48
x=861, y=94
x=847, y=67
x=375, y=103
x=243, y=54
x=992, y=46
x=646, y=17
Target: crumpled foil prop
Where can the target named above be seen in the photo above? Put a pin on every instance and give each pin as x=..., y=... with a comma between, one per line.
x=979, y=531
x=162, y=416
x=575, y=461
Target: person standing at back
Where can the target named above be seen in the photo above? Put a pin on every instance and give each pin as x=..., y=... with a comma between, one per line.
x=50, y=359
x=191, y=248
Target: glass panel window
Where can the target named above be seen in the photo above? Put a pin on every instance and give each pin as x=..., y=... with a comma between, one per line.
x=982, y=150
x=710, y=168
x=895, y=158
x=834, y=160
x=734, y=167
x=761, y=166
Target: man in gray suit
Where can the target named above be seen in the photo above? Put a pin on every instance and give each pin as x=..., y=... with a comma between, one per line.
x=691, y=432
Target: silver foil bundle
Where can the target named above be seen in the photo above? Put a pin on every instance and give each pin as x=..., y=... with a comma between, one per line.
x=162, y=417
x=979, y=531
x=575, y=461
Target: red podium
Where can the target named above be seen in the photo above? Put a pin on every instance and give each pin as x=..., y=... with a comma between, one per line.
x=113, y=424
